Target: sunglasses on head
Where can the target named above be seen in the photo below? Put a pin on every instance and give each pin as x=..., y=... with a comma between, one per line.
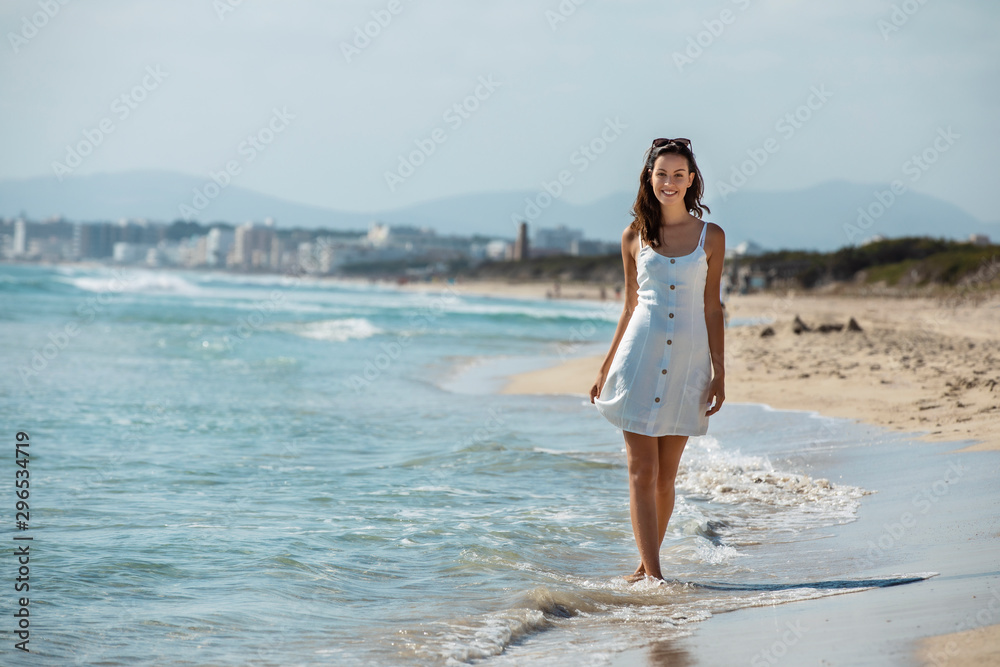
x=663, y=142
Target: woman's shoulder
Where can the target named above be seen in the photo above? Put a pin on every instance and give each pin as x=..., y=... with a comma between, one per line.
x=631, y=244
x=714, y=229
x=630, y=238
x=715, y=236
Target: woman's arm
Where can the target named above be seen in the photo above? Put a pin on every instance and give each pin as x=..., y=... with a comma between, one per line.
x=715, y=247
x=631, y=300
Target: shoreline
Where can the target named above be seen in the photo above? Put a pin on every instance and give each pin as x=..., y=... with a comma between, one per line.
x=923, y=366
x=916, y=365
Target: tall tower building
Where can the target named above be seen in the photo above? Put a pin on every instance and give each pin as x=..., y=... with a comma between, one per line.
x=521, y=244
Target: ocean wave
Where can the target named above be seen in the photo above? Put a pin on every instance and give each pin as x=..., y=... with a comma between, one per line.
x=438, y=304
x=337, y=330
x=729, y=478
x=603, y=617
x=534, y=311
x=14, y=284
x=132, y=281
x=741, y=487
x=489, y=635
x=211, y=299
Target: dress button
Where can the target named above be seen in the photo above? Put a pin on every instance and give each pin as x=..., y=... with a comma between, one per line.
x=657, y=399
x=671, y=287
x=671, y=314
x=673, y=261
x=663, y=372
x=669, y=341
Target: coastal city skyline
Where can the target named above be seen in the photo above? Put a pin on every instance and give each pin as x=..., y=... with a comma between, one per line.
x=261, y=246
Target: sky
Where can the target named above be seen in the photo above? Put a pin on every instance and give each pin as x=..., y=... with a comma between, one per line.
x=376, y=105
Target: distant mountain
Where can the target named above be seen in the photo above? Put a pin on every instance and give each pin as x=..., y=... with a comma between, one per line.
x=158, y=196
x=494, y=213
x=824, y=217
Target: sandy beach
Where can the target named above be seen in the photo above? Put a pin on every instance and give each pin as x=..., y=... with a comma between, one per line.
x=918, y=364
x=929, y=367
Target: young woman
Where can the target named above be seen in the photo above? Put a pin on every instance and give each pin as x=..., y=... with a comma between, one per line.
x=665, y=365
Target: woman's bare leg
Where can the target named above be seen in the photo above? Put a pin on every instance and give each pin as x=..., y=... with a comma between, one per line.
x=669, y=450
x=643, y=457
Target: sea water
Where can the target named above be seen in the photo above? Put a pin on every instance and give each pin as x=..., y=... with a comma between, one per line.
x=272, y=470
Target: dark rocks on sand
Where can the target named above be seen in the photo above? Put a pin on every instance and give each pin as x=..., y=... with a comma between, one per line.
x=798, y=326
x=768, y=331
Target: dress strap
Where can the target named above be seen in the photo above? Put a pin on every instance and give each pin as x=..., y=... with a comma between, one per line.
x=701, y=241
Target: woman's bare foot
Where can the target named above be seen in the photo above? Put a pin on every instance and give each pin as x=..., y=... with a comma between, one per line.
x=639, y=575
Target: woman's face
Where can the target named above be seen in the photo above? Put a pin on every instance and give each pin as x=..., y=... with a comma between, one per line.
x=670, y=178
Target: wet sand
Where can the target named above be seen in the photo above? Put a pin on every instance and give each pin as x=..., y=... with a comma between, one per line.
x=927, y=368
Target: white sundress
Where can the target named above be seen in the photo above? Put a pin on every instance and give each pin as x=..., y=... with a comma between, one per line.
x=658, y=382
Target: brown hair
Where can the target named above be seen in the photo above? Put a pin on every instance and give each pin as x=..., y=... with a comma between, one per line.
x=646, y=209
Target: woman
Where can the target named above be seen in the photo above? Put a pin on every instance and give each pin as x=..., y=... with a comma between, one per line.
x=665, y=365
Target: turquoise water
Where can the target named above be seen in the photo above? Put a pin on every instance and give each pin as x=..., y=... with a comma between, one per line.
x=235, y=470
